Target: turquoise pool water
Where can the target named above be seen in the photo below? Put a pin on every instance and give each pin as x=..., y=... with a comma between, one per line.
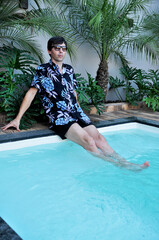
x=60, y=192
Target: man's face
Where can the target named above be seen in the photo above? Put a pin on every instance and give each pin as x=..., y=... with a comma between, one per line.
x=58, y=52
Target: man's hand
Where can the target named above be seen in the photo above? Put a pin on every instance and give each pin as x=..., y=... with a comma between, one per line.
x=29, y=96
x=15, y=123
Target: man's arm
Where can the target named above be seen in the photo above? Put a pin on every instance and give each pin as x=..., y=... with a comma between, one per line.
x=29, y=96
x=76, y=97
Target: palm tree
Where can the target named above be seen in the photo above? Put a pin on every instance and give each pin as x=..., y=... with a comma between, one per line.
x=151, y=24
x=151, y=34
x=109, y=26
x=20, y=27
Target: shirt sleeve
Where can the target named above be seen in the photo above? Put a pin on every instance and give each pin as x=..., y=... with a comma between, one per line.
x=37, y=78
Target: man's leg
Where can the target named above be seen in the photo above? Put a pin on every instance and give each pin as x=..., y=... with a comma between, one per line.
x=109, y=153
x=99, y=139
x=90, y=139
x=78, y=135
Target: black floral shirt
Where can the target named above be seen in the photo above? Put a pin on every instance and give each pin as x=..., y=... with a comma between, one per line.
x=57, y=94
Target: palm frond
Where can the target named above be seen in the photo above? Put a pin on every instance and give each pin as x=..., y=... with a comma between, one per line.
x=151, y=25
x=104, y=24
x=13, y=58
x=145, y=45
x=19, y=38
x=7, y=9
x=118, y=56
x=22, y=27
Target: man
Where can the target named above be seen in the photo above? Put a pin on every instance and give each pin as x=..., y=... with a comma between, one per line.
x=56, y=84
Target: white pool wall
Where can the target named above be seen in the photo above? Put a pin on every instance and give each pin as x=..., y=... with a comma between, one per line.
x=54, y=139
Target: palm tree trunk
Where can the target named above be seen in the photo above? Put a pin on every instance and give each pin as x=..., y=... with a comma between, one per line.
x=102, y=76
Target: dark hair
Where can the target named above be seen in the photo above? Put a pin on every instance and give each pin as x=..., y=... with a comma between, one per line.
x=54, y=41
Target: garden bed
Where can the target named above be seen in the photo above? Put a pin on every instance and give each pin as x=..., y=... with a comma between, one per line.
x=112, y=107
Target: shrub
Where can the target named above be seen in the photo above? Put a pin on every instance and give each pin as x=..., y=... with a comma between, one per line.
x=89, y=93
x=139, y=86
x=136, y=84
x=115, y=83
x=152, y=96
x=15, y=78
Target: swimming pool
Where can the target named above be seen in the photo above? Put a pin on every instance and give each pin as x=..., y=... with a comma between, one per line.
x=73, y=195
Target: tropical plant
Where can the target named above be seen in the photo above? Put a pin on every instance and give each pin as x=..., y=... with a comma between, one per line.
x=108, y=26
x=152, y=96
x=128, y=72
x=152, y=102
x=83, y=98
x=21, y=27
x=89, y=93
x=15, y=79
x=13, y=102
x=150, y=34
x=139, y=86
x=151, y=23
x=115, y=83
x=12, y=59
x=16, y=59
x=136, y=83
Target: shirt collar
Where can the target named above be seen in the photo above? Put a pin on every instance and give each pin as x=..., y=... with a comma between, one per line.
x=55, y=66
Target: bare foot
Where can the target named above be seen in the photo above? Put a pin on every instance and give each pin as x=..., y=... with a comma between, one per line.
x=145, y=164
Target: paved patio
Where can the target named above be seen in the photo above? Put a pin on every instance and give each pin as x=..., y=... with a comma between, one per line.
x=146, y=114
x=114, y=114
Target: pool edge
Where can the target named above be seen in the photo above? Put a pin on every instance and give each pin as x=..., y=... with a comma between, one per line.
x=6, y=232
x=46, y=132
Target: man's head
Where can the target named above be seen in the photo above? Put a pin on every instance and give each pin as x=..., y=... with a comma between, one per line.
x=55, y=41
x=57, y=47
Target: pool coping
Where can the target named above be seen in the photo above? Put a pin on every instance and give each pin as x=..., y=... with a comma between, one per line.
x=12, y=137
x=6, y=232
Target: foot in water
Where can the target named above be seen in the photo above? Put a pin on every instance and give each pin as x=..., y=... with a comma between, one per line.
x=145, y=165
x=138, y=167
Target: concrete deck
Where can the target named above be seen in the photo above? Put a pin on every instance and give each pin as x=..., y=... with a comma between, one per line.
x=111, y=117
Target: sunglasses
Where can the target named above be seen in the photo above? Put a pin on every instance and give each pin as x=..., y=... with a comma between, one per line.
x=58, y=48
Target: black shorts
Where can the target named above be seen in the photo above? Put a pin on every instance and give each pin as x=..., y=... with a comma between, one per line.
x=61, y=130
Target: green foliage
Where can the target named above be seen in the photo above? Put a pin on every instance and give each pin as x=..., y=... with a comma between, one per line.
x=106, y=25
x=15, y=80
x=132, y=95
x=109, y=26
x=152, y=96
x=12, y=58
x=115, y=83
x=139, y=86
x=151, y=34
x=12, y=105
x=128, y=72
x=15, y=64
x=83, y=98
x=89, y=93
x=152, y=102
x=96, y=93
x=136, y=84
x=11, y=101
x=23, y=26
x=153, y=84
